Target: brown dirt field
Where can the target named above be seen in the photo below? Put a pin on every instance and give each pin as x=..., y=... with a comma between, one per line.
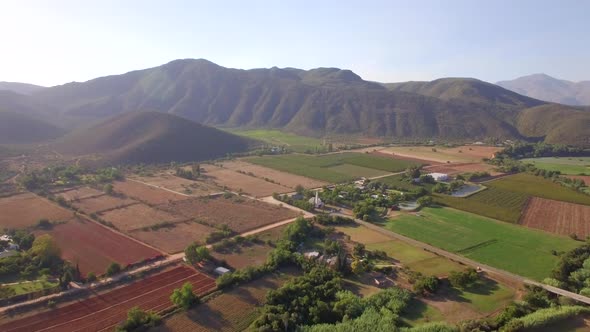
x=137, y=216
x=174, y=239
x=79, y=193
x=384, y=153
x=243, y=256
x=102, y=203
x=453, y=169
x=231, y=311
x=282, y=178
x=240, y=214
x=224, y=177
x=145, y=193
x=95, y=247
x=557, y=217
x=469, y=153
x=24, y=210
x=175, y=183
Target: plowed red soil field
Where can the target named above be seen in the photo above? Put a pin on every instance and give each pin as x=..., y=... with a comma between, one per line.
x=557, y=217
x=145, y=193
x=240, y=214
x=103, y=312
x=95, y=247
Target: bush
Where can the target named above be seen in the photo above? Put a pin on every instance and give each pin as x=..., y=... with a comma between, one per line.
x=113, y=269
x=91, y=277
x=544, y=317
x=138, y=319
x=463, y=279
x=184, y=297
x=426, y=285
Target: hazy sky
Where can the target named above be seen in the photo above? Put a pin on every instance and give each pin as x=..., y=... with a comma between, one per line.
x=53, y=42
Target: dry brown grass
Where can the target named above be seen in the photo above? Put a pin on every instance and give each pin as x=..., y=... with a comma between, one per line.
x=25, y=210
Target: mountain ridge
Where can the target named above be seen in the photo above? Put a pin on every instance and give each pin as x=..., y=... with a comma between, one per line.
x=544, y=87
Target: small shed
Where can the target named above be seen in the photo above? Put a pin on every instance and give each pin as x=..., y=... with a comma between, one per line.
x=439, y=176
x=221, y=270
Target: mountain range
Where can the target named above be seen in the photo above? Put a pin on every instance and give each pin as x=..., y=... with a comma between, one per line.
x=545, y=87
x=316, y=102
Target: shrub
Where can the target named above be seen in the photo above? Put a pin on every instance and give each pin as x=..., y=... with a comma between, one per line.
x=113, y=269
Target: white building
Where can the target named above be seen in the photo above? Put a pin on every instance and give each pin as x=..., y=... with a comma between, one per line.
x=316, y=201
x=221, y=270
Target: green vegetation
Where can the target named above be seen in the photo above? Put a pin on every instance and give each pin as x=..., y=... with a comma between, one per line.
x=113, y=269
x=493, y=202
x=565, y=165
x=184, y=297
x=538, y=186
x=330, y=167
x=26, y=287
x=289, y=141
x=139, y=320
x=516, y=249
x=401, y=183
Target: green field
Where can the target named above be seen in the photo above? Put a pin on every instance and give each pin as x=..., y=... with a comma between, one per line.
x=293, y=142
x=493, y=202
x=509, y=247
x=566, y=165
x=538, y=186
x=330, y=168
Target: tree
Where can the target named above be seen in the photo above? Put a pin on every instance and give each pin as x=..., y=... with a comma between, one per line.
x=138, y=319
x=91, y=277
x=113, y=269
x=184, y=297
x=195, y=253
x=357, y=266
x=44, y=223
x=299, y=189
x=46, y=250
x=425, y=201
x=414, y=172
x=426, y=285
x=463, y=279
x=358, y=250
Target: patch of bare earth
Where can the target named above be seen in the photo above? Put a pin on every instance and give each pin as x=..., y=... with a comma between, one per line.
x=557, y=217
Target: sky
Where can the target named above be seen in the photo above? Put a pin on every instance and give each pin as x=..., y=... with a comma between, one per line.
x=53, y=42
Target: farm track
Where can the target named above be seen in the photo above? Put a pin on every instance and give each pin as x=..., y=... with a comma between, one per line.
x=107, y=310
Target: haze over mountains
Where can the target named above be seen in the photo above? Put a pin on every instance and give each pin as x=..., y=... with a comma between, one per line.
x=545, y=87
x=314, y=102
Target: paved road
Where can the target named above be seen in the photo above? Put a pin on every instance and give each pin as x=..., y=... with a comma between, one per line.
x=467, y=261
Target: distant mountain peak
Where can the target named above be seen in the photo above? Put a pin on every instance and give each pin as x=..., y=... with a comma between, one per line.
x=549, y=88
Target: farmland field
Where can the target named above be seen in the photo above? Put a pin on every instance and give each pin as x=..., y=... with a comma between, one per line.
x=282, y=178
x=25, y=210
x=461, y=154
x=235, y=181
x=242, y=256
x=357, y=171
x=79, y=193
x=240, y=214
x=102, y=203
x=412, y=257
x=320, y=167
x=566, y=165
x=293, y=142
x=137, y=216
x=513, y=248
x=95, y=247
x=557, y=217
x=462, y=168
x=178, y=184
x=231, y=311
x=540, y=187
x=175, y=237
x=492, y=202
x=104, y=312
x=145, y=193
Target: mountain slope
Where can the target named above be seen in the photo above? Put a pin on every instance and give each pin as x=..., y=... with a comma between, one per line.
x=17, y=128
x=556, y=124
x=22, y=88
x=317, y=102
x=545, y=87
x=150, y=137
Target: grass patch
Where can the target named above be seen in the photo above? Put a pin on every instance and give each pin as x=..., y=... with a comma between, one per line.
x=538, y=186
x=493, y=202
x=330, y=168
x=294, y=142
x=30, y=287
x=516, y=249
x=566, y=165
x=487, y=295
x=418, y=312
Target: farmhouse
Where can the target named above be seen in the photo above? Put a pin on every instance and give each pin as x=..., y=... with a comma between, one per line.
x=439, y=176
x=9, y=248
